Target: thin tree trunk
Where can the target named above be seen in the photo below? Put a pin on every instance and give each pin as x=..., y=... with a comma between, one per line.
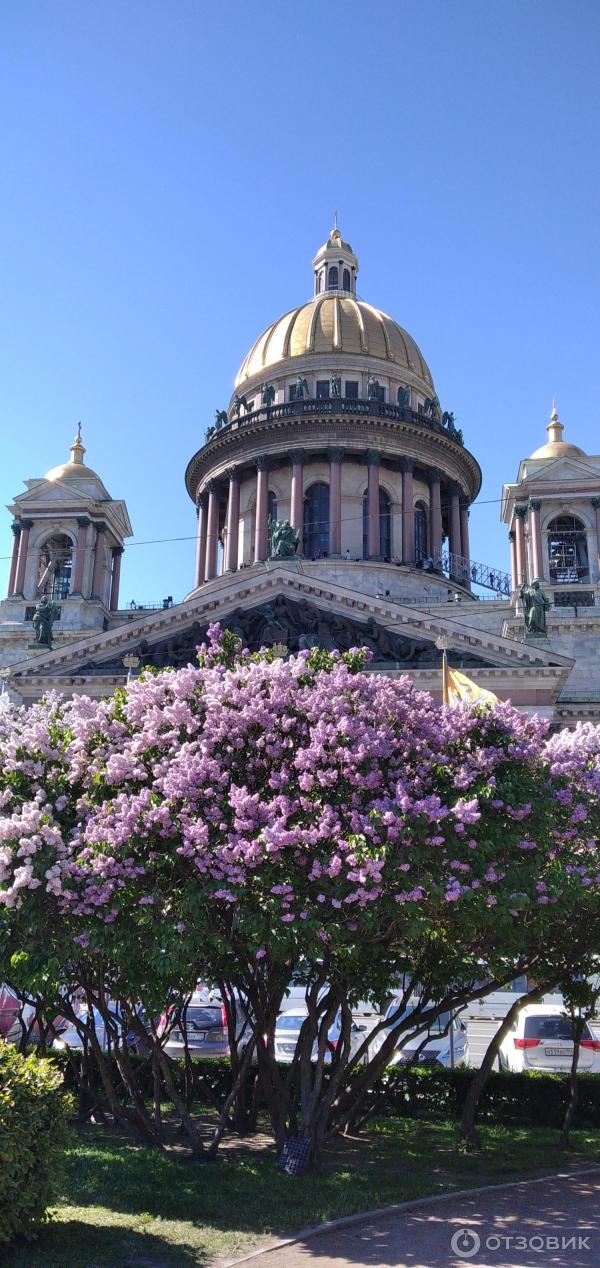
x=223, y=1116
x=564, y=1138
x=468, y=1135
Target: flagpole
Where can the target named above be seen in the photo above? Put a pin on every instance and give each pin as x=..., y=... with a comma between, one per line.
x=442, y=644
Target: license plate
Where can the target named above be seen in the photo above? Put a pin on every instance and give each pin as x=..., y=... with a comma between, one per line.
x=558, y=1052
x=198, y=1036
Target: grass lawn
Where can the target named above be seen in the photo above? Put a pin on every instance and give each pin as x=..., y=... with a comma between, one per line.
x=128, y=1206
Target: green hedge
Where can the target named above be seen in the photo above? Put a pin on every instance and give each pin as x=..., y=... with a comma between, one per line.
x=34, y=1110
x=532, y=1100
x=536, y=1100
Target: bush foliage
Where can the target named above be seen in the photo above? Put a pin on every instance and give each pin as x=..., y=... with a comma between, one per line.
x=34, y=1109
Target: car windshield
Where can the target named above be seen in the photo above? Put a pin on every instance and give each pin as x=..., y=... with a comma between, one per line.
x=203, y=1018
x=436, y=1027
x=289, y=1022
x=552, y=1027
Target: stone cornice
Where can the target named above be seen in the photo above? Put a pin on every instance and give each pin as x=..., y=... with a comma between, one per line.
x=277, y=437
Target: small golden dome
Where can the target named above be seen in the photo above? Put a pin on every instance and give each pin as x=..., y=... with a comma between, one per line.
x=75, y=468
x=334, y=323
x=555, y=446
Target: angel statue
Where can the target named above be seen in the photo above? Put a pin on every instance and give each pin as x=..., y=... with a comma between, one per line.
x=301, y=388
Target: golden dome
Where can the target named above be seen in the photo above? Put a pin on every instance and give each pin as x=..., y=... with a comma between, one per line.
x=331, y=324
x=555, y=446
x=75, y=468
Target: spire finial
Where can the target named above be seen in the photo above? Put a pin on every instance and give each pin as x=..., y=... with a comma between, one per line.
x=78, y=447
x=335, y=223
x=555, y=428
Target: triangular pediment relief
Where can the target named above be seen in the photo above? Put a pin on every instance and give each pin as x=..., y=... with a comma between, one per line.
x=564, y=469
x=283, y=605
x=51, y=493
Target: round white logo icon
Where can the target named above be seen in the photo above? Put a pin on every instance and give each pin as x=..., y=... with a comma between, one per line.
x=465, y=1243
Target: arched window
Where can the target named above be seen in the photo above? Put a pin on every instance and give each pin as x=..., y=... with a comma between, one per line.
x=54, y=572
x=385, y=526
x=332, y=278
x=346, y=282
x=421, y=534
x=567, y=549
x=316, y=522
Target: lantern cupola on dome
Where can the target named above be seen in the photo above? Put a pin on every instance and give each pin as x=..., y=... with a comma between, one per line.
x=335, y=265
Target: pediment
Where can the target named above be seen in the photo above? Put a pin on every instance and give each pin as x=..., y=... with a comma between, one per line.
x=52, y=493
x=560, y=470
x=284, y=606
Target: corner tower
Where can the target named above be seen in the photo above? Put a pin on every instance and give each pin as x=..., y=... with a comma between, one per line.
x=68, y=539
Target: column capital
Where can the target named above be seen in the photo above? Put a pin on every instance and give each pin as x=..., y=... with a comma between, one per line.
x=435, y=475
x=83, y=521
x=118, y=550
x=464, y=502
x=596, y=503
x=297, y=455
x=262, y=462
x=335, y=454
x=16, y=528
x=202, y=501
x=455, y=489
x=101, y=527
x=373, y=457
x=535, y=504
x=212, y=486
x=512, y=536
x=407, y=465
x=521, y=512
x=232, y=473
x=26, y=524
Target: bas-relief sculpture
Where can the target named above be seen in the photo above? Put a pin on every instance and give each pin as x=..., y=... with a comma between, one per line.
x=535, y=606
x=335, y=385
x=298, y=624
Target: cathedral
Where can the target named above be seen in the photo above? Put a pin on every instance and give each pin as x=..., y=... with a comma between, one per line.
x=332, y=508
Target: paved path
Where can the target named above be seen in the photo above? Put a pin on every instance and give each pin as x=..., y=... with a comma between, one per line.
x=564, y=1210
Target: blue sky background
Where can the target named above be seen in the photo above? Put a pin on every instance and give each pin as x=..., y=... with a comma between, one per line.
x=169, y=168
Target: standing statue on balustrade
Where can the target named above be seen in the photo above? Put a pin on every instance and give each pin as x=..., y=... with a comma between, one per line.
x=535, y=606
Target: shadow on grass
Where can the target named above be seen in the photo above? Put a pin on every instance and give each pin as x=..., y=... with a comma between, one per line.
x=74, y=1243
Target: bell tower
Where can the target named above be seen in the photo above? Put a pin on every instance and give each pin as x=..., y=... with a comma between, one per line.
x=68, y=540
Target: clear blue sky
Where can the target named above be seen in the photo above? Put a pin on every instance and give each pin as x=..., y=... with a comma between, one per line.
x=169, y=168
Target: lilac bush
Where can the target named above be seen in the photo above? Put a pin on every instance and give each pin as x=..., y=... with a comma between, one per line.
x=249, y=818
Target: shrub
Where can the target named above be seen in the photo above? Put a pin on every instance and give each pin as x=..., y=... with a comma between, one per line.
x=33, y=1133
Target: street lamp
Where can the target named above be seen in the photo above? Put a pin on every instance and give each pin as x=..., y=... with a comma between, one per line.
x=130, y=662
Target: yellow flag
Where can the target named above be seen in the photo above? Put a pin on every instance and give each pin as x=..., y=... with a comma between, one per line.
x=456, y=686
